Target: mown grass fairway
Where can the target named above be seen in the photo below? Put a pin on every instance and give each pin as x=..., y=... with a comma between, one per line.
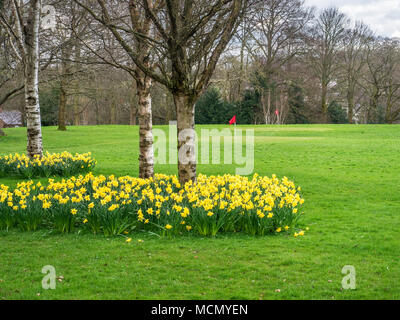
x=349, y=177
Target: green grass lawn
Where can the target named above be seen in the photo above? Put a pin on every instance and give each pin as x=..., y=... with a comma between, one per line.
x=350, y=180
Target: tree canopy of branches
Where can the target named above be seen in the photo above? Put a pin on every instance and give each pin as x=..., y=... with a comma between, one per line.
x=188, y=40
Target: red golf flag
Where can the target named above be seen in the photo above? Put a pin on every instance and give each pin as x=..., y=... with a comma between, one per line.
x=277, y=112
x=233, y=120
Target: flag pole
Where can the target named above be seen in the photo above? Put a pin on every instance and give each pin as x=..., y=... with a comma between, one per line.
x=233, y=121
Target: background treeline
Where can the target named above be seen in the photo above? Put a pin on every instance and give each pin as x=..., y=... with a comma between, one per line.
x=287, y=63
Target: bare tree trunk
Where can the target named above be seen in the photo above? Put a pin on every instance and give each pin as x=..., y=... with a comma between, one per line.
x=264, y=108
x=62, y=107
x=64, y=75
x=133, y=106
x=113, y=112
x=97, y=112
x=280, y=108
x=76, y=110
x=32, y=107
x=146, y=162
x=62, y=112
x=186, y=138
x=350, y=106
x=242, y=68
x=77, y=99
x=133, y=115
x=269, y=120
x=324, y=104
x=373, y=106
x=389, y=106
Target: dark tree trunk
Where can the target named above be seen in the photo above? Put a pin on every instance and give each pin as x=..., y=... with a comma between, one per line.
x=113, y=113
x=62, y=110
x=133, y=116
x=64, y=80
x=350, y=107
x=324, y=103
x=76, y=113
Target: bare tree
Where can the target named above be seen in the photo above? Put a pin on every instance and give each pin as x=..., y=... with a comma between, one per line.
x=353, y=60
x=392, y=84
x=23, y=26
x=276, y=36
x=329, y=32
x=383, y=81
x=10, y=72
x=188, y=39
x=374, y=78
x=71, y=21
x=131, y=28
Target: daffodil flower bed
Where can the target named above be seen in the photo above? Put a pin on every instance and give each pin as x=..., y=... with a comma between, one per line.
x=161, y=205
x=60, y=164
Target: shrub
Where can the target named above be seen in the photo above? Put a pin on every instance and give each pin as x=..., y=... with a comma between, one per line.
x=336, y=113
x=212, y=109
x=60, y=164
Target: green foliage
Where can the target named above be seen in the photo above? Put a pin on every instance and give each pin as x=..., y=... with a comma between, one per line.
x=30, y=219
x=49, y=101
x=248, y=108
x=59, y=217
x=8, y=219
x=336, y=113
x=297, y=105
x=211, y=109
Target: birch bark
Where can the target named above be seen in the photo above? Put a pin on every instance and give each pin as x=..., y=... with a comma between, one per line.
x=31, y=75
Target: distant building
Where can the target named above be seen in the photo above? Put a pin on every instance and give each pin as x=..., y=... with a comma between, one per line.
x=10, y=119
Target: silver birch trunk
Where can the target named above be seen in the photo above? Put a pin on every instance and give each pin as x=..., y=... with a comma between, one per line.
x=146, y=156
x=186, y=138
x=31, y=73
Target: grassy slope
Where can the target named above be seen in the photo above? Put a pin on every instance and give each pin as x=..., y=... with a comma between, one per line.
x=349, y=177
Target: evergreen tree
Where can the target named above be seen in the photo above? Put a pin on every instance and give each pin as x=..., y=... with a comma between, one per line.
x=211, y=109
x=297, y=105
x=336, y=113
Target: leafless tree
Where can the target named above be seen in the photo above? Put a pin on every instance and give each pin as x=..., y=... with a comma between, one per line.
x=382, y=81
x=276, y=36
x=23, y=25
x=10, y=72
x=353, y=60
x=329, y=31
x=70, y=21
x=187, y=37
x=130, y=27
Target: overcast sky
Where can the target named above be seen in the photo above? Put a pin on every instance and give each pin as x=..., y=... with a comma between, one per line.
x=383, y=16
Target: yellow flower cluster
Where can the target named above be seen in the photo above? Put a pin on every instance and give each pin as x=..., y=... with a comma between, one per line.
x=63, y=163
x=227, y=203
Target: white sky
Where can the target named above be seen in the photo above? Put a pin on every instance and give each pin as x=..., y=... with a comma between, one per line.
x=383, y=16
